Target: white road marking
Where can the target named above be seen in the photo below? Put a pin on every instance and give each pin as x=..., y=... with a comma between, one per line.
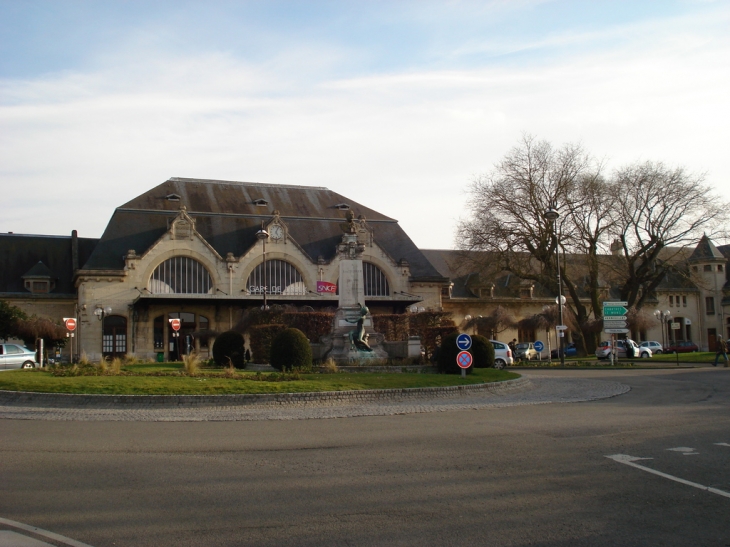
x=629, y=460
x=44, y=533
x=722, y=444
x=682, y=449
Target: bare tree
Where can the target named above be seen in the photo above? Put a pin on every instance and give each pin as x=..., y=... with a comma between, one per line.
x=658, y=207
x=496, y=322
x=508, y=207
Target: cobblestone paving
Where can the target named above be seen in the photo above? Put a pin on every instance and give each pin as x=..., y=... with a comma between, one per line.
x=537, y=390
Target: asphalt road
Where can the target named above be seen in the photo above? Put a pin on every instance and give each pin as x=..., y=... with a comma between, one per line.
x=518, y=476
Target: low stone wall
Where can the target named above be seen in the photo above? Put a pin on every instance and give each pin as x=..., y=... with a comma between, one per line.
x=329, y=398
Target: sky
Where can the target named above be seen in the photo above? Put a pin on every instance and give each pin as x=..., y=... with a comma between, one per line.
x=395, y=105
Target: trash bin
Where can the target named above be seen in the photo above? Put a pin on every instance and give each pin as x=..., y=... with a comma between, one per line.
x=160, y=357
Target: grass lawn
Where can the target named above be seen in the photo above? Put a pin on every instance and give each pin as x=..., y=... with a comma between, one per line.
x=215, y=383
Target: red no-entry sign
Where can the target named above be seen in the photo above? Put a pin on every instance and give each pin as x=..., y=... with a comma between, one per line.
x=464, y=359
x=175, y=324
x=70, y=323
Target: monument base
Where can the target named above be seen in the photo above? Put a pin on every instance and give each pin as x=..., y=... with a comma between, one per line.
x=341, y=344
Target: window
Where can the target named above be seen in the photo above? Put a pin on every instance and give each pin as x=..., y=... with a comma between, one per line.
x=13, y=349
x=671, y=300
x=710, y=305
x=280, y=277
x=719, y=267
x=181, y=275
x=707, y=267
x=684, y=301
x=114, y=338
x=376, y=283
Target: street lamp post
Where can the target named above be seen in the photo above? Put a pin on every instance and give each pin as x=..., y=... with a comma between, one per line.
x=552, y=215
x=101, y=312
x=664, y=317
x=263, y=235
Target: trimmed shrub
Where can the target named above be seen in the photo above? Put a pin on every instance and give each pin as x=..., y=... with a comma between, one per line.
x=261, y=337
x=446, y=356
x=314, y=325
x=483, y=352
x=229, y=345
x=291, y=349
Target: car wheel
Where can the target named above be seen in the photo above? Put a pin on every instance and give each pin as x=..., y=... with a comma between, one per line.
x=28, y=364
x=644, y=355
x=499, y=364
x=658, y=352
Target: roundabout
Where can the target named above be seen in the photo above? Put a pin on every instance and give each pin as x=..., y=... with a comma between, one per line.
x=530, y=389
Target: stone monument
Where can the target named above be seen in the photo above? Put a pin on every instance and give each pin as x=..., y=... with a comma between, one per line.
x=353, y=338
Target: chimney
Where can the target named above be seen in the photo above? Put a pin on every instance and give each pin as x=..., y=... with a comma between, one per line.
x=74, y=251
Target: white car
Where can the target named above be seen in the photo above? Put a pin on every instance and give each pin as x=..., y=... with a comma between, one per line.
x=604, y=350
x=15, y=356
x=502, y=354
x=655, y=347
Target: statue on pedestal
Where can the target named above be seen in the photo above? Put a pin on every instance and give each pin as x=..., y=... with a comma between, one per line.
x=358, y=337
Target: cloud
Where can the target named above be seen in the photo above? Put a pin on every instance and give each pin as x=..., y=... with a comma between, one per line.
x=74, y=145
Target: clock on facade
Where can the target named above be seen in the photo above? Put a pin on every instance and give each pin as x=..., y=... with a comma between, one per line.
x=276, y=232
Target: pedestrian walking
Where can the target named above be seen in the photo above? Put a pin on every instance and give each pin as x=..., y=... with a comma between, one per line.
x=721, y=349
x=629, y=348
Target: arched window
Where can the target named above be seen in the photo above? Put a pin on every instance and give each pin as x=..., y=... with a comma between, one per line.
x=375, y=281
x=376, y=284
x=280, y=277
x=181, y=275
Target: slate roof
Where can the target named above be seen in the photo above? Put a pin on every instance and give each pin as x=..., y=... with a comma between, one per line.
x=227, y=216
x=20, y=254
x=464, y=274
x=705, y=250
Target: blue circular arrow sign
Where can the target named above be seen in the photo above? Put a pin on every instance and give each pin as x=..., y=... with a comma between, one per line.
x=463, y=342
x=539, y=346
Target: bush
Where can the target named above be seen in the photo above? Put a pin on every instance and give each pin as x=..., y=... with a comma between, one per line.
x=483, y=352
x=290, y=349
x=229, y=345
x=261, y=339
x=446, y=356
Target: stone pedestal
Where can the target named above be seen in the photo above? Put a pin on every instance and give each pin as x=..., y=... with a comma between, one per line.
x=342, y=350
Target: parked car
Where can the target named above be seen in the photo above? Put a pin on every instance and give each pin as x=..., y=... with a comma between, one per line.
x=604, y=350
x=15, y=356
x=655, y=347
x=526, y=351
x=682, y=347
x=502, y=354
x=570, y=351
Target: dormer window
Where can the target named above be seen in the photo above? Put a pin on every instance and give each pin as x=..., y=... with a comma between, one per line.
x=38, y=287
x=260, y=202
x=39, y=279
x=172, y=197
x=719, y=267
x=342, y=207
x=707, y=267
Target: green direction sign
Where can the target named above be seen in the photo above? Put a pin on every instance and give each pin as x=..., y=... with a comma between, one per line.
x=610, y=311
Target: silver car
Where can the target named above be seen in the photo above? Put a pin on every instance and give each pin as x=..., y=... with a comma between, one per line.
x=15, y=356
x=655, y=347
x=502, y=354
x=526, y=351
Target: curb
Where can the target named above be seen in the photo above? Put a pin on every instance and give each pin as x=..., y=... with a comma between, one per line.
x=69, y=400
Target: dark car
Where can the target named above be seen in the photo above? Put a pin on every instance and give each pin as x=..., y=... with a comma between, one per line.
x=570, y=351
x=682, y=347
